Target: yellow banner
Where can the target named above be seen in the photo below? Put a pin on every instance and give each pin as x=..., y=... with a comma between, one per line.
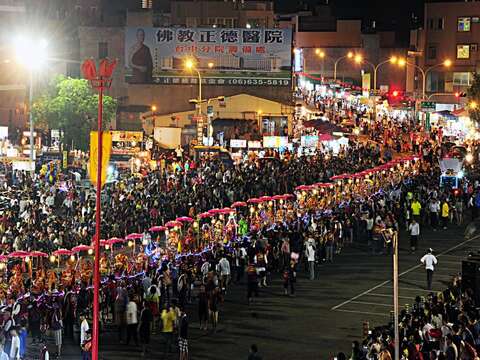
x=106, y=149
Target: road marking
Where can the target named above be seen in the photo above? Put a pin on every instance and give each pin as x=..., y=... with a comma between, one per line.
x=360, y=295
x=390, y=296
x=403, y=273
x=370, y=303
x=364, y=312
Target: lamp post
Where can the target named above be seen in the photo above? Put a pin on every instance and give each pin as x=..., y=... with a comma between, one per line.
x=359, y=59
x=25, y=47
x=335, y=64
x=424, y=71
x=190, y=65
x=100, y=82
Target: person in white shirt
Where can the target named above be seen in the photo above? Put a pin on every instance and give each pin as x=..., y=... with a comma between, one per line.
x=310, y=253
x=224, y=268
x=434, y=207
x=83, y=329
x=15, y=345
x=429, y=260
x=414, y=229
x=132, y=321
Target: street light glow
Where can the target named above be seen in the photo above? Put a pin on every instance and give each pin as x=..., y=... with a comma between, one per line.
x=350, y=55
x=393, y=59
x=189, y=64
x=30, y=52
x=211, y=65
x=447, y=63
x=154, y=108
x=402, y=62
x=358, y=59
x=473, y=105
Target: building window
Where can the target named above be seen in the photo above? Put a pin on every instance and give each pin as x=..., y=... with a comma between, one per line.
x=430, y=24
x=435, y=23
x=102, y=50
x=463, y=24
x=440, y=24
x=463, y=51
x=432, y=52
x=462, y=78
x=146, y=4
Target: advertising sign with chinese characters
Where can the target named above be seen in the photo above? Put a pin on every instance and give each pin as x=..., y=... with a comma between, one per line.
x=255, y=57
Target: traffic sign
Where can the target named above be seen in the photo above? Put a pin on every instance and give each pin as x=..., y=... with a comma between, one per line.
x=428, y=105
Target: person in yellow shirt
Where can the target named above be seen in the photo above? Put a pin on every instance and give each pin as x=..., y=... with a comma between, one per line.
x=416, y=208
x=445, y=214
x=168, y=322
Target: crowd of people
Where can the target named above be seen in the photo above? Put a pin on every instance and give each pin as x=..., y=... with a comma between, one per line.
x=53, y=212
x=440, y=326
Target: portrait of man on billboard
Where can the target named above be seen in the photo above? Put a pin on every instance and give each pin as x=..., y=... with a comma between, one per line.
x=140, y=60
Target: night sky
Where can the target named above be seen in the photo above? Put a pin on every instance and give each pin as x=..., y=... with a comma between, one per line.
x=398, y=15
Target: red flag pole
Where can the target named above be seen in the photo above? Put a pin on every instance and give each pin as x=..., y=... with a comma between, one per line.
x=96, y=273
x=99, y=81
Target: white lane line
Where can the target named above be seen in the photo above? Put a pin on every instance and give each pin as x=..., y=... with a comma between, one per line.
x=401, y=274
x=364, y=312
x=390, y=296
x=370, y=303
x=360, y=295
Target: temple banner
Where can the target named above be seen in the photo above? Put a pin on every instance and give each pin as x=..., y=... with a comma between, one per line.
x=256, y=57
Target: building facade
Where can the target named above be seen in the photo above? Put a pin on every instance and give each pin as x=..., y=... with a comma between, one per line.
x=451, y=31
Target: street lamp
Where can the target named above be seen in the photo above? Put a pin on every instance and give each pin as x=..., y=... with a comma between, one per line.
x=190, y=66
x=32, y=53
x=335, y=64
x=424, y=71
x=320, y=53
x=392, y=60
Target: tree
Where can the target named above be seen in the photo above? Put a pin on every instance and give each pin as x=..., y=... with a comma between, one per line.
x=473, y=94
x=71, y=105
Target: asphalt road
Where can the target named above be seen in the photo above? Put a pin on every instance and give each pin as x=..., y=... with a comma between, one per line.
x=324, y=317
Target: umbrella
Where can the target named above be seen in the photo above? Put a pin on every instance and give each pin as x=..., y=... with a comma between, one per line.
x=266, y=198
x=157, y=228
x=204, y=215
x=114, y=241
x=304, y=187
x=339, y=177
x=227, y=210
x=214, y=211
x=3, y=257
x=38, y=254
x=239, y=204
x=134, y=236
x=184, y=219
x=79, y=248
x=19, y=254
x=172, y=224
x=254, y=201
x=289, y=196
x=60, y=252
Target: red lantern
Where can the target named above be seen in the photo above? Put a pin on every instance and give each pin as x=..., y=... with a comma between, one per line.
x=89, y=69
x=106, y=68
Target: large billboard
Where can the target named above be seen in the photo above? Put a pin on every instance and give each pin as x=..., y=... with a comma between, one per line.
x=255, y=57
